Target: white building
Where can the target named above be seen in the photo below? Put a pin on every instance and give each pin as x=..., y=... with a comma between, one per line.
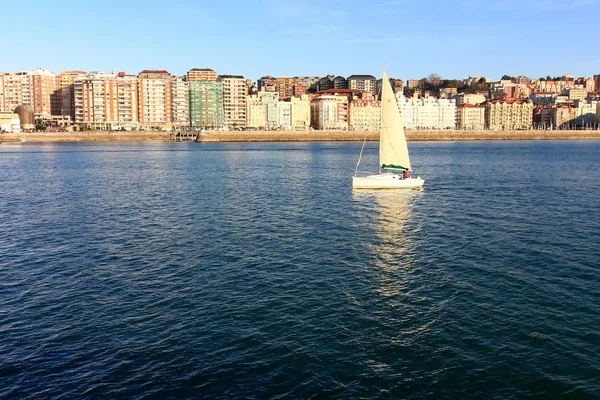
x=469, y=116
x=300, y=112
x=180, y=91
x=284, y=115
x=256, y=112
x=586, y=112
x=9, y=122
x=428, y=113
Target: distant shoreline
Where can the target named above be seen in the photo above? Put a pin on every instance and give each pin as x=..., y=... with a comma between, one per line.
x=298, y=136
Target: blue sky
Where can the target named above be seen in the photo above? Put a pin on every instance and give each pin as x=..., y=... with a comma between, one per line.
x=413, y=38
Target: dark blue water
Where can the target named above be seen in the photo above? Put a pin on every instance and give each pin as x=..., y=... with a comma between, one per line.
x=161, y=270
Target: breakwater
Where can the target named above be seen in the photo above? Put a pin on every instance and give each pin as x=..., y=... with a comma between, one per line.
x=301, y=136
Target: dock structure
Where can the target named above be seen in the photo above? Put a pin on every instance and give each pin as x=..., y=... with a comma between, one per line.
x=184, y=136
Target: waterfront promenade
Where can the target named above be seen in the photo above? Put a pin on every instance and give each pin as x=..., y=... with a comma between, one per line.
x=300, y=136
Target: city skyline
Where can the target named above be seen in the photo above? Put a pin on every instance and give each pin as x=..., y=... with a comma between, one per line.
x=413, y=39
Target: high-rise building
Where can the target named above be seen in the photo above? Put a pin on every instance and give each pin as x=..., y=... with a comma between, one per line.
x=180, y=103
x=38, y=89
x=285, y=87
x=92, y=93
x=15, y=89
x=67, y=92
x=155, y=100
x=206, y=104
x=235, y=91
x=106, y=101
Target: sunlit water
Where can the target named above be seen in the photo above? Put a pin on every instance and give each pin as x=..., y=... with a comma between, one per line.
x=163, y=270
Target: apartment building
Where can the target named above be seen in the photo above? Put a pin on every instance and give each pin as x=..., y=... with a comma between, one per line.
x=285, y=87
x=262, y=110
x=364, y=83
x=469, y=116
x=45, y=92
x=15, y=89
x=155, y=100
x=300, y=112
x=235, y=91
x=397, y=86
x=324, y=83
x=564, y=116
x=509, y=114
x=413, y=83
x=180, y=104
x=106, y=101
x=284, y=115
x=575, y=93
x=206, y=104
x=66, y=92
x=90, y=99
x=266, y=83
x=299, y=89
x=365, y=114
x=427, y=113
x=329, y=112
x=201, y=75
x=256, y=112
x=552, y=85
x=469, y=98
x=308, y=82
x=586, y=112
x=543, y=117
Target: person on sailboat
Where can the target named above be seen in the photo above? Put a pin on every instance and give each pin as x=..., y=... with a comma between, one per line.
x=405, y=174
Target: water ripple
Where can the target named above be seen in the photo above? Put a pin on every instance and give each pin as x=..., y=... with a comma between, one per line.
x=253, y=271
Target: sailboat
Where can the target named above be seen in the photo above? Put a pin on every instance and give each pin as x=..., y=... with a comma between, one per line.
x=394, y=162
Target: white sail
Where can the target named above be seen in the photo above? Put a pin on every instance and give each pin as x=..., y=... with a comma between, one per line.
x=393, y=150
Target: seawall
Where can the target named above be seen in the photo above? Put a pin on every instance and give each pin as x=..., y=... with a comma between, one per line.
x=437, y=135
x=299, y=136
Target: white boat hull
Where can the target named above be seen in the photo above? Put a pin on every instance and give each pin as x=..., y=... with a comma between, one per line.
x=386, y=181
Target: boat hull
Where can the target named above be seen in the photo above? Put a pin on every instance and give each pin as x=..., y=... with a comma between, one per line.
x=386, y=181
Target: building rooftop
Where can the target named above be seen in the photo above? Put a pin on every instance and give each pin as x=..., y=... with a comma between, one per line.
x=362, y=77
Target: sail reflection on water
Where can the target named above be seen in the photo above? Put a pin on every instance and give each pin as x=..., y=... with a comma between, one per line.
x=393, y=249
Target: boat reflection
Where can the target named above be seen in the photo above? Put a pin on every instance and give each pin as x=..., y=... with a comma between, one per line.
x=393, y=248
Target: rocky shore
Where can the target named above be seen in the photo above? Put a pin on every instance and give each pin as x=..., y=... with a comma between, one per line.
x=299, y=136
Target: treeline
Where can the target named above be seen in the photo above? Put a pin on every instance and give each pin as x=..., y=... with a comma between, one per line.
x=434, y=83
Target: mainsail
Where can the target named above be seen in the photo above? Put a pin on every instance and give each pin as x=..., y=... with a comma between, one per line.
x=393, y=151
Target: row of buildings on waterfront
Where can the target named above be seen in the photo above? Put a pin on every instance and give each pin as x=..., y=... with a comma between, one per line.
x=157, y=100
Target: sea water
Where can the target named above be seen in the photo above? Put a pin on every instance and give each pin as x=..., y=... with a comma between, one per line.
x=253, y=270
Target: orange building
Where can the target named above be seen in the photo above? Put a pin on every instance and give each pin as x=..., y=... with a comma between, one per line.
x=201, y=75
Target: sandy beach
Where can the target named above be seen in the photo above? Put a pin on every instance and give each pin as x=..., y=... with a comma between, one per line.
x=299, y=136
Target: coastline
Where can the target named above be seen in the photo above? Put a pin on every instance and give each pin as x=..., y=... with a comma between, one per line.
x=298, y=136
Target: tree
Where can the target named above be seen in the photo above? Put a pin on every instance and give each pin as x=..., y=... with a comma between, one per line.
x=434, y=79
x=409, y=92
